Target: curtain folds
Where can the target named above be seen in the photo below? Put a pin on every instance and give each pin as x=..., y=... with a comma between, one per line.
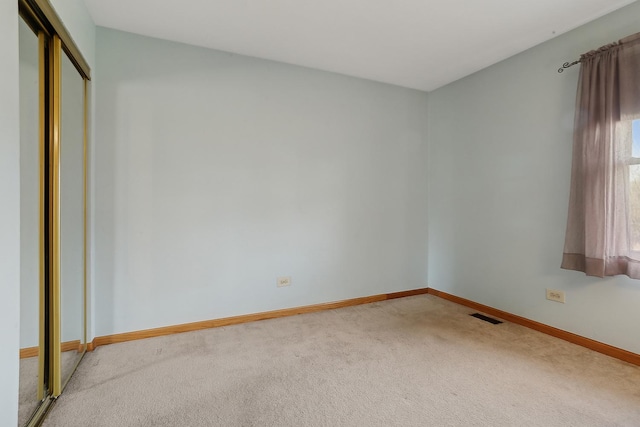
x=597, y=239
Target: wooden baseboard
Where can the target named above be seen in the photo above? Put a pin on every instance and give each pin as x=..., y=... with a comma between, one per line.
x=27, y=352
x=70, y=346
x=65, y=346
x=600, y=347
x=216, y=323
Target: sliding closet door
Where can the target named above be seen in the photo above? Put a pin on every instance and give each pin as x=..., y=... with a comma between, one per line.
x=69, y=215
x=53, y=115
x=33, y=376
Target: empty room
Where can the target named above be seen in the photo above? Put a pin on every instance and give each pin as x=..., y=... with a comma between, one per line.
x=319, y=213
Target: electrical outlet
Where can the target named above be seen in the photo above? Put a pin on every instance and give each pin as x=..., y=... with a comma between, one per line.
x=283, y=281
x=554, y=295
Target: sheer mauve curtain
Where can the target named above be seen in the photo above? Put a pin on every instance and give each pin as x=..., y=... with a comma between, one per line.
x=608, y=99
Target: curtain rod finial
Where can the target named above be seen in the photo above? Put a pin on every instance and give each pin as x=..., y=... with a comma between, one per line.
x=568, y=65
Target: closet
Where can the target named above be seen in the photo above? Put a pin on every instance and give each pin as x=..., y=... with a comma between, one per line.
x=54, y=80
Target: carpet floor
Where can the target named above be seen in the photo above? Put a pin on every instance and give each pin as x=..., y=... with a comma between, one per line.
x=416, y=361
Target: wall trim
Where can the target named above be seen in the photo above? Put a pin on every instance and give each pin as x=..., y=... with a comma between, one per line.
x=216, y=323
x=65, y=346
x=29, y=352
x=598, y=346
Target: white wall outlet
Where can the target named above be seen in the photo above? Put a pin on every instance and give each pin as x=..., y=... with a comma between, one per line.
x=554, y=295
x=283, y=281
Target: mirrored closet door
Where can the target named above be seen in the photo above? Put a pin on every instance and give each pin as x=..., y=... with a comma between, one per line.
x=69, y=171
x=53, y=188
x=33, y=382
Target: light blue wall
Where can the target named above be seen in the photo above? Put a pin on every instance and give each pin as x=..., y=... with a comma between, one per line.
x=9, y=213
x=215, y=173
x=500, y=159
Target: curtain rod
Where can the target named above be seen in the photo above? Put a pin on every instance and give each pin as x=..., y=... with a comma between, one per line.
x=568, y=65
x=634, y=38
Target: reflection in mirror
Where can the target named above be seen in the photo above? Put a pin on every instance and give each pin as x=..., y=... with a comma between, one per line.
x=71, y=219
x=29, y=223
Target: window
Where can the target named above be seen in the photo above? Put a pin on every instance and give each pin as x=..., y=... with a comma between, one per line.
x=603, y=226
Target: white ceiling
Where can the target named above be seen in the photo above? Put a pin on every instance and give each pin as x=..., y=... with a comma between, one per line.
x=420, y=44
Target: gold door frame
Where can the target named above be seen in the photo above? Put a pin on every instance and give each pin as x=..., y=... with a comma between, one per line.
x=85, y=192
x=42, y=251
x=44, y=16
x=54, y=190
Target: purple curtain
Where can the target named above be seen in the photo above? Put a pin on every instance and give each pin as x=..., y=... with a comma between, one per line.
x=599, y=239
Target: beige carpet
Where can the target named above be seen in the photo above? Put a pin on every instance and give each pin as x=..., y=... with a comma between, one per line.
x=418, y=361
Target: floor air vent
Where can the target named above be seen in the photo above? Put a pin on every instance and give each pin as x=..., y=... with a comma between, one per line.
x=486, y=318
